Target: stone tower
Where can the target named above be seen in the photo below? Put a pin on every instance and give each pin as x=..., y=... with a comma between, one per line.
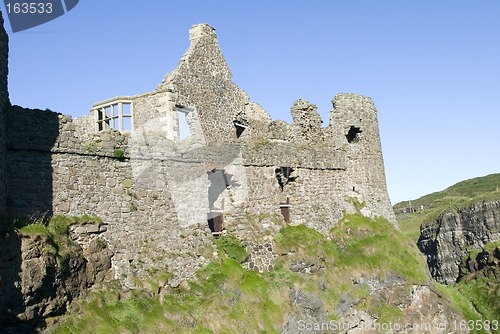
x=354, y=125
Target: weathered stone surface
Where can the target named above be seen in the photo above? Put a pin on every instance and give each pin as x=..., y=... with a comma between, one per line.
x=38, y=283
x=309, y=309
x=484, y=264
x=156, y=192
x=151, y=187
x=447, y=241
x=261, y=257
x=422, y=311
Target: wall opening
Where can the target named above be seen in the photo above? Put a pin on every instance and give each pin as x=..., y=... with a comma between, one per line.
x=100, y=116
x=239, y=128
x=284, y=176
x=220, y=181
x=215, y=219
x=127, y=117
x=115, y=114
x=184, y=130
x=353, y=134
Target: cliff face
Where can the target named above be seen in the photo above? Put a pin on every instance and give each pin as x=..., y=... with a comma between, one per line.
x=40, y=277
x=449, y=241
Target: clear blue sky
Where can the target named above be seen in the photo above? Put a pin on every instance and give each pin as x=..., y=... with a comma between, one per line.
x=432, y=68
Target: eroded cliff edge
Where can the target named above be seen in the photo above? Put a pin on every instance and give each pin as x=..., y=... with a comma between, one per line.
x=462, y=242
x=44, y=267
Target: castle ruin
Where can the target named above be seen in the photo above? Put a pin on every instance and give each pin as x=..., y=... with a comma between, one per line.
x=163, y=195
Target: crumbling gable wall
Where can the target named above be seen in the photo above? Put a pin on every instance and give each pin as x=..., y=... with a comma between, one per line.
x=202, y=81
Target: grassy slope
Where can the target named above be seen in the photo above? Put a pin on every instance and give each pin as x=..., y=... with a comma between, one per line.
x=477, y=299
x=459, y=195
x=226, y=298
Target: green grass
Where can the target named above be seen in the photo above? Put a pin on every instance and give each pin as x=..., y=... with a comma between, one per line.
x=138, y=313
x=54, y=230
x=476, y=298
x=491, y=246
x=304, y=240
x=484, y=294
x=375, y=245
x=34, y=228
x=56, y=226
x=224, y=297
x=233, y=248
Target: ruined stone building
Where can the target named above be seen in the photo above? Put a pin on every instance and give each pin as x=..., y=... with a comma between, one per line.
x=161, y=194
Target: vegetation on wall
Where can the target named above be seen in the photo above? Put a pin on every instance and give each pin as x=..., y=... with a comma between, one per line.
x=119, y=153
x=54, y=230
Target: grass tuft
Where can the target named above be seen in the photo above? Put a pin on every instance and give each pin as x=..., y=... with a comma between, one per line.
x=233, y=248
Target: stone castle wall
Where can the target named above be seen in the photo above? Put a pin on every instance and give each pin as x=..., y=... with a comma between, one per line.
x=53, y=171
x=158, y=194
x=202, y=81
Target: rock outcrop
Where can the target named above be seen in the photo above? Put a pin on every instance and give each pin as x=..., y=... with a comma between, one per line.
x=40, y=277
x=485, y=263
x=420, y=310
x=448, y=241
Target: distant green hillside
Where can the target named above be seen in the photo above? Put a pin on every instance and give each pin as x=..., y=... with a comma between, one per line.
x=482, y=293
x=411, y=216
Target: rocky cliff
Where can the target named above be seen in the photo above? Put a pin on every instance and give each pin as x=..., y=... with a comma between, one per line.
x=457, y=242
x=41, y=273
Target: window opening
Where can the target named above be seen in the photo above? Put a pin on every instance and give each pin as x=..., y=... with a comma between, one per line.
x=127, y=117
x=352, y=135
x=239, y=128
x=114, y=114
x=284, y=176
x=215, y=219
x=184, y=131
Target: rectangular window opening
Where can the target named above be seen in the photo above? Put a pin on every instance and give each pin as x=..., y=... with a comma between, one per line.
x=215, y=221
x=116, y=115
x=127, y=123
x=184, y=130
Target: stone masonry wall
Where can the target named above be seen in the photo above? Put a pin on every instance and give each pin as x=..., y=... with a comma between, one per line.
x=202, y=81
x=4, y=102
x=53, y=171
x=355, y=116
x=160, y=195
